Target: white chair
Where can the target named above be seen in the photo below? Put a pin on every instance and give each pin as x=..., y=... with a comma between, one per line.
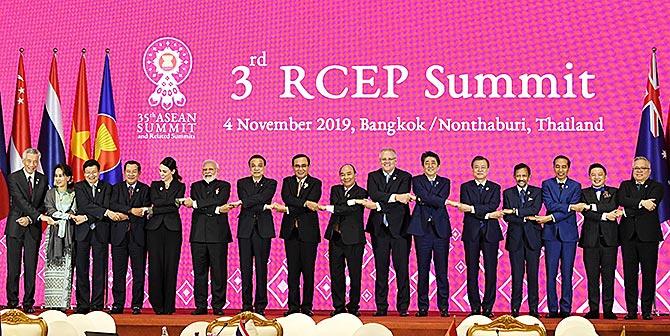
x=16, y=323
x=339, y=325
x=297, y=325
x=101, y=322
x=572, y=322
x=575, y=330
x=373, y=329
x=199, y=327
x=530, y=320
x=62, y=328
x=81, y=323
x=462, y=329
x=50, y=316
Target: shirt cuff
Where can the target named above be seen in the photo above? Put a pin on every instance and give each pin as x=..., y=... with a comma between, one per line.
x=331, y=208
x=216, y=210
x=639, y=205
x=552, y=218
x=195, y=204
x=379, y=207
x=603, y=217
x=267, y=207
x=351, y=202
x=593, y=207
x=486, y=216
x=392, y=198
x=472, y=208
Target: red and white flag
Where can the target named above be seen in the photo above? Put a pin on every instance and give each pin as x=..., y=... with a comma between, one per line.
x=20, y=140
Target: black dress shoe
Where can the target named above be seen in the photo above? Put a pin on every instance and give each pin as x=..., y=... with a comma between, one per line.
x=592, y=315
x=534, y=314
x=421, y=313
x=260, y=312
x=609, y=316
x=199, y=311
x=563, y=314
x=354, y=312
x=444, y=313
x=291, y=311
x=116, y=310
x=82, y=310
x=337, y=311
x=647, y=317
x=96, y=308
x=218, y=311
x=487, y=313
x=307, y=312
x=28, y=309
x=246, y=309
x=515, y=313
x=475, y=312
x=403, y=313
x=552, y=315
x=137, y=310
x=12, y=305
x=630, y=316
x=380, y=313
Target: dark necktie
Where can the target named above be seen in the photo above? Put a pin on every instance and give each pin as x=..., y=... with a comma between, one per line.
x=131, y=190
x=639, y=186
x=561, y=186
x=30, y=188
x=522, y=197
x=481, y=192
x=299, y=187
x=432, y=183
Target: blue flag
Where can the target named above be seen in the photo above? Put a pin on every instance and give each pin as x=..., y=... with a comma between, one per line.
x=651, y=140
x=107, y=150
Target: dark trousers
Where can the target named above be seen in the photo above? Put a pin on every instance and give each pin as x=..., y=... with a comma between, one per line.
x=254, y=251
x=600, y=263
x=24, y=248
x=636, y=256
x=556, y=252
x=340, y=254
x=525, y=260
x=300, y=259
x=210, y=258
x=490, y=253
x=386, y=247
x=431, y=247
x=87, y=298
x=128, y=248
x=164, y=249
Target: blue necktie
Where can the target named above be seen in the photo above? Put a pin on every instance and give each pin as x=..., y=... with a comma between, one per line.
x=386, y=222
x=522, y=197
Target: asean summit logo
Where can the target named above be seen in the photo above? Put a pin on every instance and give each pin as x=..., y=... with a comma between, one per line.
x=167, y=62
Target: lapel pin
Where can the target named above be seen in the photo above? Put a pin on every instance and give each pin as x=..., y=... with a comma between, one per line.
x=487, y=188
x=99, y=190
x=394, y=178
x=161, y=189
x=304, y=186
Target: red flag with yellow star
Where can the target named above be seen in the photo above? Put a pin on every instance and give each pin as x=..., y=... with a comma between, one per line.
x=80, y=139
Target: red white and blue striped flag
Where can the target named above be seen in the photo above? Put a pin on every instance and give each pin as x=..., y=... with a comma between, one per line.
x=20, y=140
x=51, y=141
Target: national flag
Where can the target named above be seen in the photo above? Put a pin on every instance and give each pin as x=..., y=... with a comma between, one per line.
x=20, y=139
x=651, y=139
x=80, y=138
x=4, y=192
x=451, y=331
x=51, y=141
x=246, y=328
x=107, y=150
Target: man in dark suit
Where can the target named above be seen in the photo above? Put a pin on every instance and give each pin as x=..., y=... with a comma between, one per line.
x=93, y=200
x=599, y=241
x=481, y=234
x=431, y=229
x=346, y=239
x=255, y=230
x=389, y=188
x=521, y=204
x=300, y=231
x=639, y=234
x=561, y=196
x=210, y=235
x=130, y=197
x=23, y=231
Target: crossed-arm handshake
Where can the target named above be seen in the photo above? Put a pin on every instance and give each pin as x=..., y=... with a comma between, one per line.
x=224, y=208
x=367, y=203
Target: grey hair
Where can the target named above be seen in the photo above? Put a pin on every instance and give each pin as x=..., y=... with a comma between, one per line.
x=32, y=151
x=389, y=149
x=211, y=161
x=637, y=158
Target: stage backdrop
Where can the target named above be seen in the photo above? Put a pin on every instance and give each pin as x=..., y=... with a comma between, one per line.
x=375, y=76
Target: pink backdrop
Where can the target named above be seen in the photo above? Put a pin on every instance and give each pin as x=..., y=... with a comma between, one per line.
x=609, y=40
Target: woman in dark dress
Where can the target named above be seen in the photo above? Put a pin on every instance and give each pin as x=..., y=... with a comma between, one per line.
x=164, y=237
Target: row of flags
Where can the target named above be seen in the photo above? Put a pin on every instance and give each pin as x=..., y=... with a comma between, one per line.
x=51, y=142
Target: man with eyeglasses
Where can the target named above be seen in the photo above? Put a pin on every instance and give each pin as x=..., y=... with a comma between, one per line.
x=300, y=231
x=639, y=234
x=389, y=188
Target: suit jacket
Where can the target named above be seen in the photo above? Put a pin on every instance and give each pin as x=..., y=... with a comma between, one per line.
x=121, y=202
x=254, y=197
x=164, y=208
x=206, y=225
x=397, y=214
x=488, y=201
x=593, y=226
x=307, y=220
x=430, y=210
x=557, y=201
x=639, y=220
x=94, y=207
x=349, y=218
x=20, y=205
x=520, y=231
